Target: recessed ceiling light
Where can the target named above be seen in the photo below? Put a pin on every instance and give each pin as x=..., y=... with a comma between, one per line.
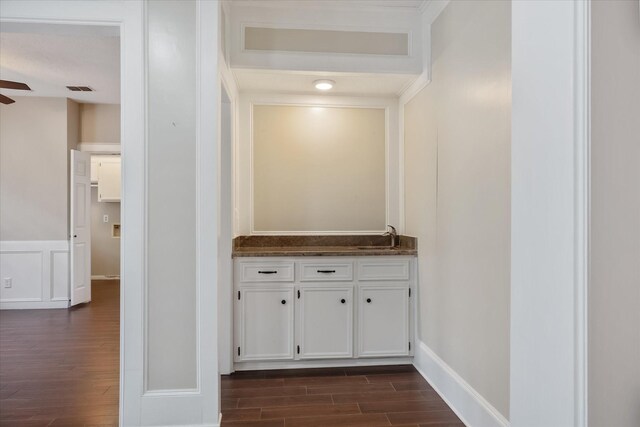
x=324, y=84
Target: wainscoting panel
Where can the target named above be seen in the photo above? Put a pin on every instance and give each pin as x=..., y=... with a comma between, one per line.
x=39, y=274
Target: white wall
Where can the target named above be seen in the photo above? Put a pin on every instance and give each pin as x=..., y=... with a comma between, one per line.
x=34, y=169
x=614, y=292
x=457, y=197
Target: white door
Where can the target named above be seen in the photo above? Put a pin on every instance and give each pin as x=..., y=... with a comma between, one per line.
x=80, y=268
x=325, y=322
x=266, y=324
x=383, y=321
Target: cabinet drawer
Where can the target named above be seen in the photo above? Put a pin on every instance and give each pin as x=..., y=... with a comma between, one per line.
x=383, y=270
x=266, y=272
x=325, y=271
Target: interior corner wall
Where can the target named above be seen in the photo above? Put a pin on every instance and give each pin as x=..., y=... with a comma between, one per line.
x=100, y=123
x=457, y=195
x=34, y=169
x=614, y=288
x=105, y=249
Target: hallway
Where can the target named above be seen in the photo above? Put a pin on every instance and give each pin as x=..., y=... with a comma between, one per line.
x=60, y=367
x=366, y=396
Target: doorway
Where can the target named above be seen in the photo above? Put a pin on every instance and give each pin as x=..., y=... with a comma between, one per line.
x=59, y=365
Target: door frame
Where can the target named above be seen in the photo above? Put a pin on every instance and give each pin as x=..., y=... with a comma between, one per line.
x=129, y=18
x=137, y=407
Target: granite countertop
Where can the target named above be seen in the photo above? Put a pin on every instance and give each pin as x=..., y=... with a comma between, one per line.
x=352, y=245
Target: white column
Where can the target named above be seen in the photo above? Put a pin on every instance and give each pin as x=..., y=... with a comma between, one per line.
x=549, y=212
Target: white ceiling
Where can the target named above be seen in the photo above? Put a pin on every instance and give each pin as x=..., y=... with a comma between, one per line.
x=50, y=57
x=289, y=82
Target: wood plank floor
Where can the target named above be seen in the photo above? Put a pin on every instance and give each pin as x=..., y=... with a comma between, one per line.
x=340, y=397
x=61, y=367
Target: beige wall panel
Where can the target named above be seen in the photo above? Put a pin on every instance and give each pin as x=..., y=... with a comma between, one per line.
x=462, y=214
x=318, y=168
x=326, y=41
x=100, y=123
x=33, y=169
x=614, y=289
x=171, y=197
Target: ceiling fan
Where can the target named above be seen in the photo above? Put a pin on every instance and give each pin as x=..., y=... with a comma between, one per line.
x=8, y=84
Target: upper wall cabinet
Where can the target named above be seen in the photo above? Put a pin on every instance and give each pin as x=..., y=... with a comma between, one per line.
x=361, y=38
x=108, y=176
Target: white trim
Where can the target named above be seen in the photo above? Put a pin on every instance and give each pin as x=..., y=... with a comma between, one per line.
x=100, y=147
x=225, y=314
x=207, y=128
x=549, y=213
x=405, y=20
x=325, y=363
x=583, y=205
x=34, y=245
x=128, y=17
x=45, y=251
x=32, y=305
x=464, y=400
x=433, y=9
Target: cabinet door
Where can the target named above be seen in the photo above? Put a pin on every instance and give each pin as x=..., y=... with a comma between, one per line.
x=109, y=179
x=325, y=322
x=383, y=321
x=266, y=324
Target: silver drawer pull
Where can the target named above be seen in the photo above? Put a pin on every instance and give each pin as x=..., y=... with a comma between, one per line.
x=325, y=271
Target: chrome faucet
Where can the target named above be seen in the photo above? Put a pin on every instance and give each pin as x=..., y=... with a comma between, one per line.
x=393, y=234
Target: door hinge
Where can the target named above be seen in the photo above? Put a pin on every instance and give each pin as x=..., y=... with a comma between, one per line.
x=298, y=349
x=238, y=294
x=298, y=293
x=409, y=292
x=238, y=351
x=409, y=346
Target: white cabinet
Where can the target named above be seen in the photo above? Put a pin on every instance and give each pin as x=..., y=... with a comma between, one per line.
x=383, y=321
x=295, y=310
x=109, y=170
x=325, y=322
x=265, y=322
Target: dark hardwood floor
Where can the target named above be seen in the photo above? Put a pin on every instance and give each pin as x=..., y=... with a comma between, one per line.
x=61, y=367
x=362, y=396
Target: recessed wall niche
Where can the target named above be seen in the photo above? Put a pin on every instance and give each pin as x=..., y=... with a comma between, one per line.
x=318, y=169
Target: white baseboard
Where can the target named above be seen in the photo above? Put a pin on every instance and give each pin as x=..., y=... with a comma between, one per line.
x=328, y=363
x=32, y=305
x=468, y=404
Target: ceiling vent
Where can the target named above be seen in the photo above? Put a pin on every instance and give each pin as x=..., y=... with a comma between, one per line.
x=80, y=88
